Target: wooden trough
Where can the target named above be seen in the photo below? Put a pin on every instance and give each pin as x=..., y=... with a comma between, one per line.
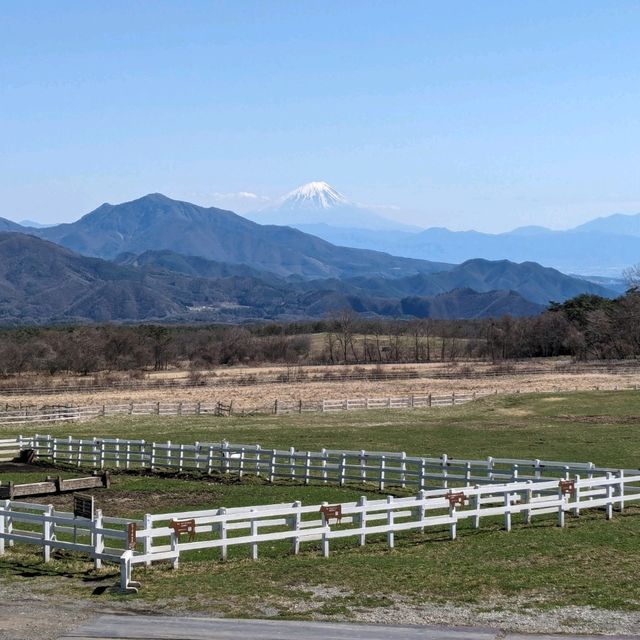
x=10, y=490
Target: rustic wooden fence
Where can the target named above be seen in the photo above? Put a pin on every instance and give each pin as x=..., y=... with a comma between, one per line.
x=63, y=413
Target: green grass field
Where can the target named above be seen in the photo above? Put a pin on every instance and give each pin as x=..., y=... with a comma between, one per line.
x=590, y=562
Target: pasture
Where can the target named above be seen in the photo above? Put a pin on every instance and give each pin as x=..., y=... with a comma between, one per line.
x=591, y=562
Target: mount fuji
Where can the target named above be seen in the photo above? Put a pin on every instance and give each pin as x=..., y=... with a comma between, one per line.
x=316, y=205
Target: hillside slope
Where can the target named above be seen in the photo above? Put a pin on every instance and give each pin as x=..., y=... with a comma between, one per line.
x=155, y=222
x=41, y=282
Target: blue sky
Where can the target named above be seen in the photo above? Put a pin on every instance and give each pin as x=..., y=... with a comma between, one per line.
x=485, y=115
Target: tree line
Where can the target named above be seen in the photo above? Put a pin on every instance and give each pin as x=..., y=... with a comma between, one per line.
x=585, y=327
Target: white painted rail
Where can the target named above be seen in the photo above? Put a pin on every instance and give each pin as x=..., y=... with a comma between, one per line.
x=222, y=528
x=327, y=466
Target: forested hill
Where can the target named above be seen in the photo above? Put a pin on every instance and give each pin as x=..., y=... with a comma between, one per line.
x=41, y=282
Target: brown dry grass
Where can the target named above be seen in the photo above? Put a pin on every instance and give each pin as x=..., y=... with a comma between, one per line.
x=263, y=395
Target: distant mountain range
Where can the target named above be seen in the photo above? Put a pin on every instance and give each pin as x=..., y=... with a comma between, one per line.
x=160, y=259
x=591, y=249
x=157, y=222
x=601, y=247
x=41, y=282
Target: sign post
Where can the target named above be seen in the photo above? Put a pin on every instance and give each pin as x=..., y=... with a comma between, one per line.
x=83, y=507
x=132, y=532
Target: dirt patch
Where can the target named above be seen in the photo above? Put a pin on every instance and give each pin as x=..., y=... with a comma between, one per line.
x=119, y=503
x=600, y=419
x=19, y=467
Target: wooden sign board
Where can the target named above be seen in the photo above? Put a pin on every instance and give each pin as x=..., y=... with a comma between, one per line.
x=332, y=511
x=83, y=506
x=456, y=499
x=184, y=526
x=567, y=487
x=132, y=531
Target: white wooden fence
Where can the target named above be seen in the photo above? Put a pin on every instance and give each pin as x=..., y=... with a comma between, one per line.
x=297, y=524
x=327, y=466
x=9, y=449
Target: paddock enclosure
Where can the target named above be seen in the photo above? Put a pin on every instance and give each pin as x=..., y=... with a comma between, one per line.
x=446, y=492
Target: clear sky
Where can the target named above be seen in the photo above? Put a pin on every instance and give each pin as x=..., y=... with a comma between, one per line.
x=485, y=115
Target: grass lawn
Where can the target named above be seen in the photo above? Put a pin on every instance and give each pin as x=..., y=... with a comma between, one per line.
x=590, y=562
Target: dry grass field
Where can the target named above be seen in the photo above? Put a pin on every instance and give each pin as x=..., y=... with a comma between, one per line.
x=222, y=384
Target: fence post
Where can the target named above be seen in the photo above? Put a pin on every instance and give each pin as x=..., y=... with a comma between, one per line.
x=222, y=530
x=254, y=532
x=98, y=538
x=341, y=469
x=224, y=457
x=621, y=490
x=275, y=407
x=528, y=495
x=174, y=547
x=46, y=533
x=421, y=510
x=507, y=511
x=4, y=505
x=423, y=474
x=241, y=464
x=429, y=400
x=576, y=496
x=444, y=459
x=403, y=470
x=362, y=520
x=324, y=465
x=390, y=514
x=307, y=468
x=363, y=467
x=453, y=525
x=381, y=479
x=477, y=504
x=272, y=466
x=257, y=461
x=295, y=525
x=292, y=463
x=609, y=497
x=148, y=540
x=489, y=468
x=560, y=508
x=467, y=474
x=210, y=460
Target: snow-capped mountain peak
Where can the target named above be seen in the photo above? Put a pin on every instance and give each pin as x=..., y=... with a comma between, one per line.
x=318, y=203
x=320, y=195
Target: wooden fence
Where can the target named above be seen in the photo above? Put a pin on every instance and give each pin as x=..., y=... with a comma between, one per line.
x=327, y=466
x=34, y=415
x=157, y=537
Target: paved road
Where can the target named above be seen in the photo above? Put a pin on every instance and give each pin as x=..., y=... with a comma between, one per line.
x=135, y=627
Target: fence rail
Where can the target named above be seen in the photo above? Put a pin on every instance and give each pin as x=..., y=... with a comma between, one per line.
x=34, y=415
x=327, y=466
x=157, y=538
x=322, y=372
